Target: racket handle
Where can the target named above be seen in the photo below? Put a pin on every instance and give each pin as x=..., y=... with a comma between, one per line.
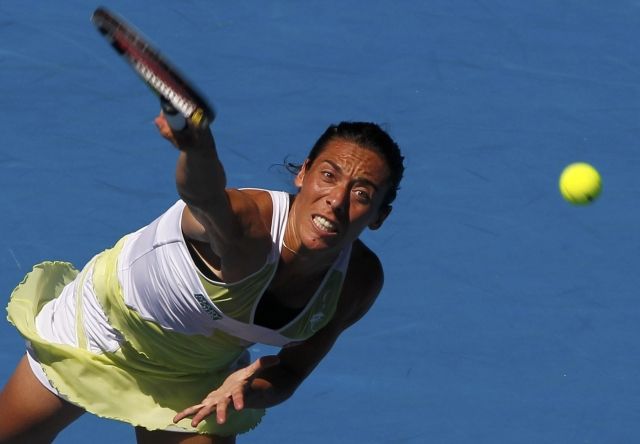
x=176, y=121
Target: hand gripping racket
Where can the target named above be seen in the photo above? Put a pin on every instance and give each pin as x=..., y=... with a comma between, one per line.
x=179, y=100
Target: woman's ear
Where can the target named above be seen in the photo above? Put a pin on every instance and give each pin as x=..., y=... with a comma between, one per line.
x=382, y=215
x=300, y=176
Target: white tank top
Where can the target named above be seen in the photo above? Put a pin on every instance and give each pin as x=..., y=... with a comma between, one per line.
x=161, y=283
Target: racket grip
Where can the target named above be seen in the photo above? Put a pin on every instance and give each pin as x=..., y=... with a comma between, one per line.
x=176, y=121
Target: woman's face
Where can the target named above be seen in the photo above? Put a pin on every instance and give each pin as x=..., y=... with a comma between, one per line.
x=341, y=194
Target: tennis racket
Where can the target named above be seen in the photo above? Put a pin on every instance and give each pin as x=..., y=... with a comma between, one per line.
x=179, y=100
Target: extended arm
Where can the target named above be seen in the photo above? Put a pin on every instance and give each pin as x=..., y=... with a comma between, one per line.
x=229, y=221
x=271, y=380
x=200, y=180
x=266, y=382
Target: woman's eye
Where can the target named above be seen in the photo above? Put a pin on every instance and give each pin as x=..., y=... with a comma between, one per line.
x=362, y=196
x=327, y=174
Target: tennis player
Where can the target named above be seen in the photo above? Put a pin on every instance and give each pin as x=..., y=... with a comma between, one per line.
x=154, y=331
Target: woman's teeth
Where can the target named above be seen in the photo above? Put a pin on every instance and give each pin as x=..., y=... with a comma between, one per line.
x=324, y=224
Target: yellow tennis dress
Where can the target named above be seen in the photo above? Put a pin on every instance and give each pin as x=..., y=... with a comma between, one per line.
x=140, y=334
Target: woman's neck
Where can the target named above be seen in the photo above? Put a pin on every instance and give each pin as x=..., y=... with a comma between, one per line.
x=295, y=255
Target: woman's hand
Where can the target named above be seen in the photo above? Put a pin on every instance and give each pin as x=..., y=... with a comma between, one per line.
x=187, y=139
x=231, y=394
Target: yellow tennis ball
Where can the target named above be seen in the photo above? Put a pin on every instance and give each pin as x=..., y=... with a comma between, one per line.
x=580, y=183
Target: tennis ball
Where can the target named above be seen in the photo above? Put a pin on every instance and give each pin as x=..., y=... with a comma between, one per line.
x=580, y=183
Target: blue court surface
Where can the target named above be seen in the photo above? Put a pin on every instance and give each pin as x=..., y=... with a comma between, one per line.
x=508, y=315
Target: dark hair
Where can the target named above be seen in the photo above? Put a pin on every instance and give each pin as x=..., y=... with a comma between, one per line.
x=366, y=135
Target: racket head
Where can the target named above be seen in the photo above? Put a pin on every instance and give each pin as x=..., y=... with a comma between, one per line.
x=153, y=68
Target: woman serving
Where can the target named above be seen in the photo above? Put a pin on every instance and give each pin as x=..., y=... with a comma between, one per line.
x=155, y=330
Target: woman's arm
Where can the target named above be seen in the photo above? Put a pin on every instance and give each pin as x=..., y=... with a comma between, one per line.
x=271, y=380
x=360, y=290
x=200, y=176
x=230, y=221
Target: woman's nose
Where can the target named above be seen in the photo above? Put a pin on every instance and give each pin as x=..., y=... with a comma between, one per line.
x=337, y=200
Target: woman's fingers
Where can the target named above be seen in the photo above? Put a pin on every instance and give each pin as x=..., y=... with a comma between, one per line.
x=164, y=129
x=238, y=399
x=200, y=411
x=205, y=411
x=221, y=411
x=187, y=412
x=236, y=385
x=187, y=139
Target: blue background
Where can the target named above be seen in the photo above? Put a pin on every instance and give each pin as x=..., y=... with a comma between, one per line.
x=508, y=315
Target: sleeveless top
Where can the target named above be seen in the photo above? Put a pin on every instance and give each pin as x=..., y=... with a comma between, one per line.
x=152, y=334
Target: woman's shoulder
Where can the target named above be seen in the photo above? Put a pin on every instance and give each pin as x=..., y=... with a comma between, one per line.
x=248, y=196
x=365, y=265
x=253, y=198
x=362, y=284
x=262, y=197
x=260, y=192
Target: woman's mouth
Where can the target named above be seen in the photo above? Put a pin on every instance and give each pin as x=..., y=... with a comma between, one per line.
x=324, y=224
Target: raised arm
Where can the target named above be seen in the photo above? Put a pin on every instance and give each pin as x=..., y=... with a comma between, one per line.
x=200, y=176
x=229, y=221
